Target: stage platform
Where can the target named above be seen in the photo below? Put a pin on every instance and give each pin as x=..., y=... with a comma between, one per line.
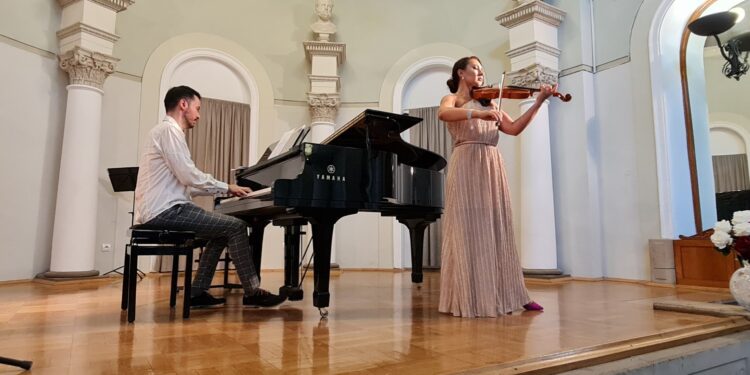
x=379, y=322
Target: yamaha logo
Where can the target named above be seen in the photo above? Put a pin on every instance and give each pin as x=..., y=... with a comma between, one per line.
x=331, y=169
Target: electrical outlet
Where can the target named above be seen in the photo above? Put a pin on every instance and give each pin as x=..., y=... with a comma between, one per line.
x=106, y=247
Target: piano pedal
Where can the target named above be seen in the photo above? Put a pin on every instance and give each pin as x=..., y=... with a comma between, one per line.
x=323, y=313
x=291, y=293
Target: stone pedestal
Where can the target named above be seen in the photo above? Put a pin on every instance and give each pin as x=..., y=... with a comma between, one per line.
x=323, y=97
x=533, y=53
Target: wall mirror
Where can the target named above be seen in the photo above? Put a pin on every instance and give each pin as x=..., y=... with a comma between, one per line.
x=717, y=113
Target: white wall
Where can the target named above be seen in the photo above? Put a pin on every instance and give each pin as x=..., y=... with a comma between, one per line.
x=625, y=247
x=32, y=112
x=574, y=135
x=118, y=148
x=427, y=88
x=726, y=142
x=211, y=79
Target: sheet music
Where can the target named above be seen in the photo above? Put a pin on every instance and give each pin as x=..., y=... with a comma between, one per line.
x=287, y=141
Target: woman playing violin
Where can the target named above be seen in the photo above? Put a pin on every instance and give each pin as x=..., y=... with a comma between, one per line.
x=481, y=273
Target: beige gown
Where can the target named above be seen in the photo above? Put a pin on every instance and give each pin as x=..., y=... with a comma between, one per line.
x=480, y=273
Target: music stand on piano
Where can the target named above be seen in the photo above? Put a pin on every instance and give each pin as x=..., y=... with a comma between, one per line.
x=125, y=179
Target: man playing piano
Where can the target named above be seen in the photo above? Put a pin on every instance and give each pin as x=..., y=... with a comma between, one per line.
x=167, y=177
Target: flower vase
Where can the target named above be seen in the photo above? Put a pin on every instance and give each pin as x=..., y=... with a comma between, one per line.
x=739, y=286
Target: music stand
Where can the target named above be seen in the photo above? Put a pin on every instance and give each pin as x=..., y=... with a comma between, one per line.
x=124, y=179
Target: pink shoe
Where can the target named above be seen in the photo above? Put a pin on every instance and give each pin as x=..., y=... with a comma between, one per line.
x=533, y=306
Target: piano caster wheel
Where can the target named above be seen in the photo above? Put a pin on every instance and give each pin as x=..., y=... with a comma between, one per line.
x=323, y=313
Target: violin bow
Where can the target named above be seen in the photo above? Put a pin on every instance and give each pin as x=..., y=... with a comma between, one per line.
x=500, y=97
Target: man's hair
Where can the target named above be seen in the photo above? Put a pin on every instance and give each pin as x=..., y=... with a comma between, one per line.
x=175, y=94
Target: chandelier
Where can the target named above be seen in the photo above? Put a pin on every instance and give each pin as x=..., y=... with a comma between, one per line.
x=732, y=51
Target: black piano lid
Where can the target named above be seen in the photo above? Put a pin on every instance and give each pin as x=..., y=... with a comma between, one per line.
x=384, y=130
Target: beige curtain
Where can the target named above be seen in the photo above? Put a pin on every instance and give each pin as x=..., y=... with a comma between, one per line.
x=730, y=173
x=219, y=143
x=431, y=134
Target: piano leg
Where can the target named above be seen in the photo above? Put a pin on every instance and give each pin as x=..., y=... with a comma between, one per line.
x=322, y=231
x=291, y=288
x=416, y=235
x=322, y=235
x=257, y=228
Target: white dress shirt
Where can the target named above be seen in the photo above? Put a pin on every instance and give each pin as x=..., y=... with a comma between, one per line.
x=167, y=174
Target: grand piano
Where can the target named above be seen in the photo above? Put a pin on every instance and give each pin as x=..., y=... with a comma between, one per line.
x=364, y=166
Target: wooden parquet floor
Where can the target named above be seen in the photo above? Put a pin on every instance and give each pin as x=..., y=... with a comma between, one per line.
x=379, y=323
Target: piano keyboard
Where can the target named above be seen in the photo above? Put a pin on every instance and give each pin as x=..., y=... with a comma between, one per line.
x=254, y=194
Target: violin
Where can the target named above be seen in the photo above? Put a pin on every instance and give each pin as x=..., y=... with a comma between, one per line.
x=485, y=94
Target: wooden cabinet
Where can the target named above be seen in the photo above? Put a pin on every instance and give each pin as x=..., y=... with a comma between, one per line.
x=698, y=263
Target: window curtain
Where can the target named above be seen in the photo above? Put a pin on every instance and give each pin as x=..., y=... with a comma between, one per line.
x=730, y=173
x=431, y=134
x=219, y=143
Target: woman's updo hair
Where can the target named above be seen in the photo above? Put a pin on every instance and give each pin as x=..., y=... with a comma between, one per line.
x=459, y=65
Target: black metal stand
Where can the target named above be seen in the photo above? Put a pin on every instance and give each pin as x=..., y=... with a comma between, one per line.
x=125, y=179
x=14, y=362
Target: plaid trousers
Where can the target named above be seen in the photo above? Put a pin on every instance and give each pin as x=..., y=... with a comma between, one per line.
x=222, y=231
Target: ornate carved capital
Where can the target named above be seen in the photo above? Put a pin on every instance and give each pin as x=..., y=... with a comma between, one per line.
x=536, y=10
x=86, y=67
x=533, y=76
x=323, y=107
x=116, y=5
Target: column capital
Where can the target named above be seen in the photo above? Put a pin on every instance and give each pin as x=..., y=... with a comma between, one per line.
x=88, y=68
x=323, y=106
x=533, y=75
x=534, y=10
x=116, y=5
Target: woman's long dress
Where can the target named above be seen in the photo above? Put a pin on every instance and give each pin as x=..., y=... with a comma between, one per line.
x=480, y=272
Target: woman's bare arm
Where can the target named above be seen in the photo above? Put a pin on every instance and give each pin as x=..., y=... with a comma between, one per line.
x=448, y=111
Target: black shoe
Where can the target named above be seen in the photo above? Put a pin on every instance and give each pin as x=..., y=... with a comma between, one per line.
x=262, y=298
x=206, y=300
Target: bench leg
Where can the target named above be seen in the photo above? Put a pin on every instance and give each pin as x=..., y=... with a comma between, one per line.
x=188, y=284
x=125, y=277
x=173, y=286
x=226, y=269
x=132, y=283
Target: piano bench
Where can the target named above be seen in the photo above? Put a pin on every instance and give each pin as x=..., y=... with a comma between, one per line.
x=153, y=241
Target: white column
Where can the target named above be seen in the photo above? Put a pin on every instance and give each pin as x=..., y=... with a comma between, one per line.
x=86, y=39
x=325, y=57
x=532, y=28
x=74, y=236
x=538, y=236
